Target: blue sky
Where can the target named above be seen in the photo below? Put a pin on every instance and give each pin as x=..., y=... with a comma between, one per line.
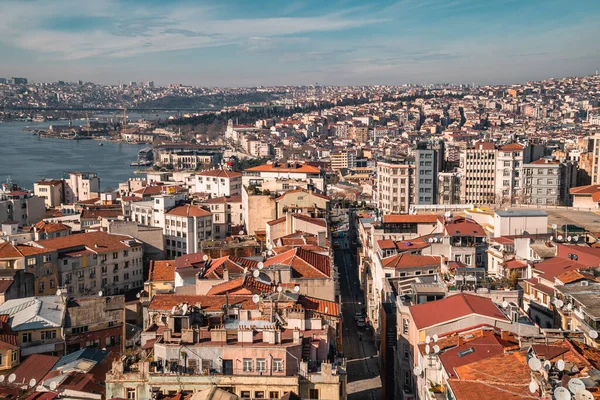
x=338, y=42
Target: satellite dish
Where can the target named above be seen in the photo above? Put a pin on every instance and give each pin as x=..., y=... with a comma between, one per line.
x=505, y=304
x=58, y=292
x=417, y=370
x=561, y=393
x=138, y=295
x=184, y=309
x=427, y=339
x=533, y=387
x=547, y=365
x=205, y=257
x=569, y=306
x=431, y=240
x=269, y=246
x=264, y=254
x=100, y=293
x=593, y=334
x=436, y=349
x=296, y=288
x=255, y=298
x=560, y=364
x=584, y=395
x=551, y=238
x=32, y=382
x=576, y=238
x=576, y=385
x=535, y=364
x=569, y=238
x=53, y=385
x=11, y=378
x=256, y=273
x=270, y=253
x=279, y=289
x=1, y=378
x=559, y=303
x=554, y=226
x=174, y=310
x=241, y=233
x=427, y=349
x=560, y=237
x=435, y=338
x=260, y=265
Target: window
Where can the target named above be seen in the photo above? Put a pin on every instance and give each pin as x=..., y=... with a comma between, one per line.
x=245, y=394
x=130, y=393
x=26, y=337
x=406, y=355
x=47, y=335
x=79, y=329
x=406, y=378
x=468, y=259
x=405, y=326
x=277, y=367
x=273, y=395
x=247, y=365
x=115, y=255
x=47, y=258
x=259, y=394
x=116, y=278
x=261, y=365
x=31, y=261
x=313, y=393
x=15, y=355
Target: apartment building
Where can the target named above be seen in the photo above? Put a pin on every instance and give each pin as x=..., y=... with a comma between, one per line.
x=21, y=207
x=185, y=228
x=449, y=188
x=81, y=186
x=280, y=172
x=478, y=168
x=187, y=156
x=395, y=186
x=52, y=191
x=343, y=159
x=509, y=163
x=359, y=133
x=219, y=183
x=428, y=163
x=227, y=213
x=548, y=182
x=91, y=262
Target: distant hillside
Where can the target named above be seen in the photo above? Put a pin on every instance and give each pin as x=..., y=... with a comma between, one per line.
x=205, y=101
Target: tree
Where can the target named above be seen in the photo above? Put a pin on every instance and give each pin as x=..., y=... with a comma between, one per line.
x=513, y=279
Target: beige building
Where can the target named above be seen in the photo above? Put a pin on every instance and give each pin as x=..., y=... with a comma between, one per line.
x=359, y=133
x=395, y=186
x=343, y=159
x=227, y=213
x=478, y=169
x=51, y=191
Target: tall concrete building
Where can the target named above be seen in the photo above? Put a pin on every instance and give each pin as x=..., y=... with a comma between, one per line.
x=359, y=133
x=548, y=182
x=395, y=186
x=509, y=163
x=428, y=163
x=478, y=167
x=449, y=188
x=594, y=147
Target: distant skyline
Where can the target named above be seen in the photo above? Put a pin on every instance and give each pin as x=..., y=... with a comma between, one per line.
x=271, y=42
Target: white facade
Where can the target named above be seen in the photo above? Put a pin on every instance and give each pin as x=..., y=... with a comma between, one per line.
x=219, y=183
x=395, y=186
x=517, y=222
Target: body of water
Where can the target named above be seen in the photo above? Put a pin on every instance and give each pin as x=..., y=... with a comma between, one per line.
x=27, y=158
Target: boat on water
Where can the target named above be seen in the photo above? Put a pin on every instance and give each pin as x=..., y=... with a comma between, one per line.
x=100, y=144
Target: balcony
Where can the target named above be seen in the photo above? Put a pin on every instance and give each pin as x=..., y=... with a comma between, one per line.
x=42, y=346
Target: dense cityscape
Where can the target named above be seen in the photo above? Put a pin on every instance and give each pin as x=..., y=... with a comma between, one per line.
x=384, y=242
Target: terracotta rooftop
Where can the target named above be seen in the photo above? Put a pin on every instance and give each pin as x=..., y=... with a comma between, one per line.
x=588, y=189
x=99, y=242
x=162, y=271
x=188, y=211
x=453, y=308
x=406, y=260
x=50, y=227
x=165, y=302
x=512, y=147
x=310, y=220
x=464, y=227
x=410, y=219
x=244, y=285
x=305, y=264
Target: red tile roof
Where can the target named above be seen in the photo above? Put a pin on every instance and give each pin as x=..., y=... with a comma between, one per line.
x=310, y=220
x=464, y=227
x=36, y=366
x=276, y=221
x=189, y=211
x=406, y=260
x=512, y=147
x=305, y=264
x=453, y=308
x=410, y=218
x=49, y=227
x=483, y=347
x=99, y=242
x=220, y=173
x=165, y=302
x=161, y=271
x=587, y=189
x=101, y=213
x=386, y=244
x=514, y=264
x=319, y=305
x=233, y=265
x=244, y=285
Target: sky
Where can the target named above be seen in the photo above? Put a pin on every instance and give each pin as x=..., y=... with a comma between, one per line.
x=296, y=42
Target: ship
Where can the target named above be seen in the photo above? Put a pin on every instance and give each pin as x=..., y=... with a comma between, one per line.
x=145, y=158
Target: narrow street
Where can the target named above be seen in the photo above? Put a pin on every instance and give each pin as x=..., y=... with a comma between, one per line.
x=364, y=381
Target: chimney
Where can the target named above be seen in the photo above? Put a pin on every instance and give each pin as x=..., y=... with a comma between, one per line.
x=218, y=334
x=225, y=274
x=245, y=334
x=296, y=336
x=461, y=341
x=289, y=223
x=505, y=335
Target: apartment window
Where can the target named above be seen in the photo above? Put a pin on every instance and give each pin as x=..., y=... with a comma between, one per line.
x=259, y=394
x=15, y=354
x=261, y=365
x=130, y=393
x=47, y=335
x=247, y=365
x=116, y=278
x=406, y=355
x=406, y=378
x=47, y=258
x=104, y=281
x=468, y=259
x=26, y=338
x=115, y=255
x=506, y=163
x=457, y=258
x=245, y=394
x=41, y=286
x=31, y=261
x=104, y=269
x=313, y=393
x=277, y=367
x=273, y=395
